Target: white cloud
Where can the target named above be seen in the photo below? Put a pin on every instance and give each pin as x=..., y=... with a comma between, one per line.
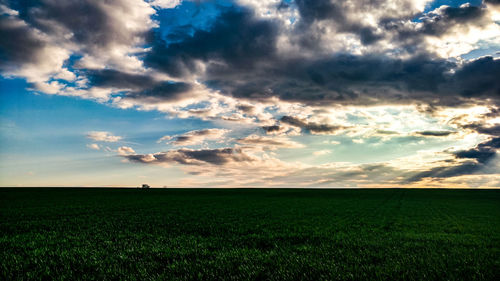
x=165, y=4
x=322, y=152
x=94, y=146
x=103, y=136
x=164, y=138
x=125, y=150
x=331, y=142
x=269, y=142
x=195, y=137
x=6, y=10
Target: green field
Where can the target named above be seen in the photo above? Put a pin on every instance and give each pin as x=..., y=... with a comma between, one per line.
x=257, y=234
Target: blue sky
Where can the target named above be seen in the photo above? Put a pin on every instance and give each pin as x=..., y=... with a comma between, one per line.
x=250, y=93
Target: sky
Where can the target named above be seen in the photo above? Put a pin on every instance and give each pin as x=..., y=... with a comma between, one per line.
x=250, y=93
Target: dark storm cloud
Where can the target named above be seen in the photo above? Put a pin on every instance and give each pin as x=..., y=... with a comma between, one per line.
x=246, y=108
x=438, y=23
x=220, y=156
x=88, y=21
x=494, y=2
x=118, y=79
x=319, y=10
x=466, y=168
x=479, y=78
x=344, y=79
x=310, y=126
x=322, y=10
x=480, y=154
x=236, y=40
x=240, y=55
x=435, y=23
x=182, y=139
x=271, y=129
x=493, y=112
x=364, y=80
x=49, y=39
x=19, y=44
x=478, y=158
x=250, y=68
x=139, y=86
x=464, y=13
x=434, y=133
x=483, y=129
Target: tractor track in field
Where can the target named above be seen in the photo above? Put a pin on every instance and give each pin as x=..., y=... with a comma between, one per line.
x=390, y=215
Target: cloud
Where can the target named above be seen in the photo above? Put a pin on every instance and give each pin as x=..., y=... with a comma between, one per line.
x=103, y=136
x=476, y=161
x=166, y=4
x=434, y=133
x=112, y=78
x=250, y=39
x=278, y=69
x=478, y=79
x=312, y=127
x=351, y=80
x=218, y=157
x=164, y=138
x=89, y=31
x=386, y=132
x=481, y=159
x=271, y=129
x=331, y=142
x=27, y=52
x=484, y=129
x=142, y=87
x=322, y=152
x=339, y=16
x=94, y=146
x=436, y=22
x=259, y=68
x=268, y=58
x=195, y=137
x=246, y=108
x=50, y=41
x=125, y=150
x=483, y=152
x=166, y=91
x=492, y=2
x=269, y=142
x=282, y=129
x=221, y=167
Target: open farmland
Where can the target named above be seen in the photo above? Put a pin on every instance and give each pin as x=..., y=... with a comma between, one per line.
x=258, y=234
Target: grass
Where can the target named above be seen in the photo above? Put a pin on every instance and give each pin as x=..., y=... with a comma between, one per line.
x=241, y=234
